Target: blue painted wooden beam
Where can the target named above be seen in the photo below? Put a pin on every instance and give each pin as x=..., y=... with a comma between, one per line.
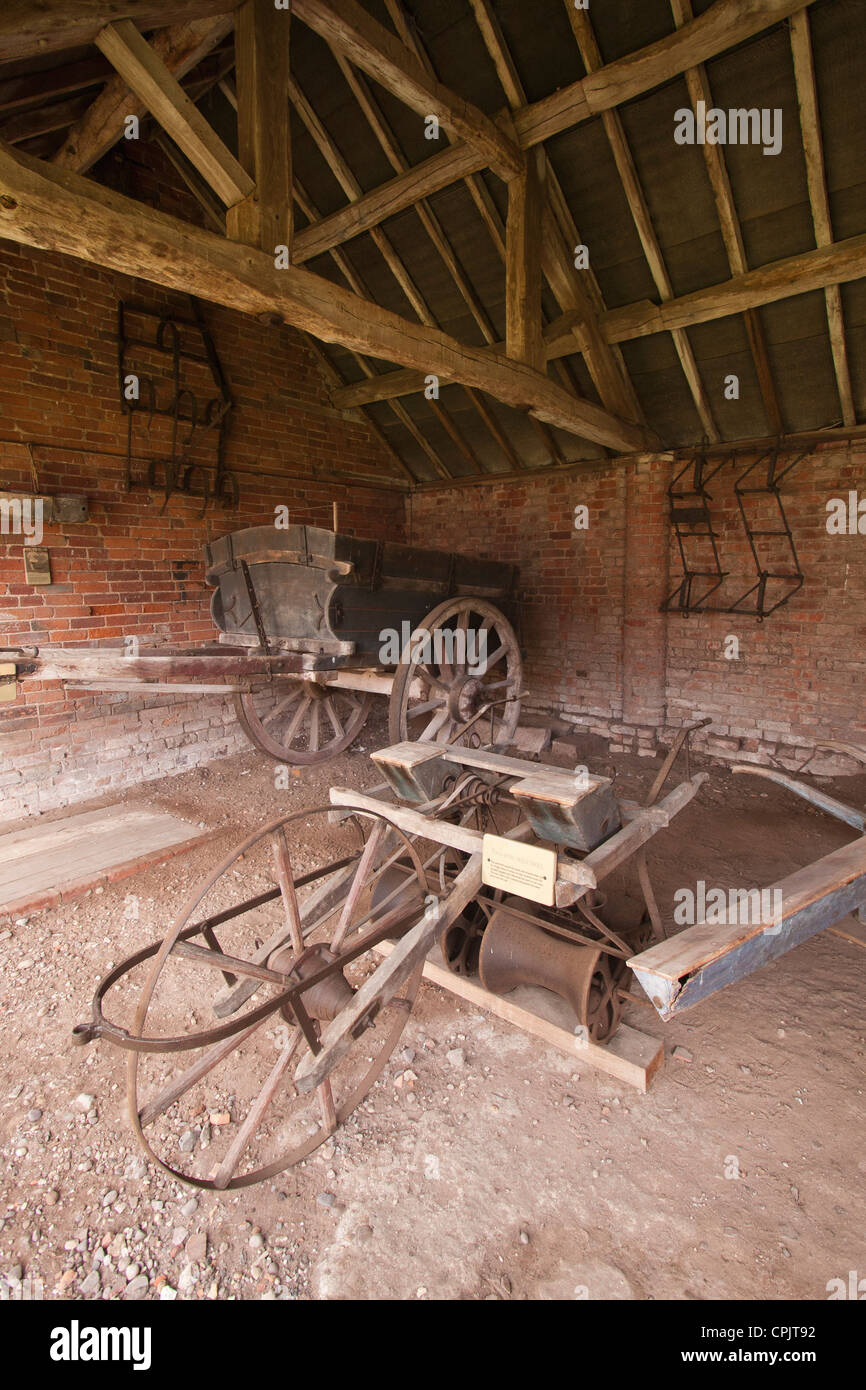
x=689, y=967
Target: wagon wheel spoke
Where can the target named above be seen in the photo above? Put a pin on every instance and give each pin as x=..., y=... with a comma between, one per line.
x=426, y=675
x=495, y=659
x=292, y=731
x=256, y=1113
x=280, y=708
x=327, y=1108
x=425, y=707
x=333, y=717
x=362, y=873
x=283, y=867
x=313, y=744
x=436, y=723
x=209, y=1059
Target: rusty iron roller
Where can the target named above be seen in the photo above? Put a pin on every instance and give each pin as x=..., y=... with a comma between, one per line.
x=515, y=952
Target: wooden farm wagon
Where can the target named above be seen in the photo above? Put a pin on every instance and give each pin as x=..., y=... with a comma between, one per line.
x=311, y=624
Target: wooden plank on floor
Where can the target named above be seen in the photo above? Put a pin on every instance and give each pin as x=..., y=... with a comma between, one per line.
x=630, y=1056
x=44, y=864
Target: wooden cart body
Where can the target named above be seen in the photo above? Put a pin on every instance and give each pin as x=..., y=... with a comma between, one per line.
x=326, y=593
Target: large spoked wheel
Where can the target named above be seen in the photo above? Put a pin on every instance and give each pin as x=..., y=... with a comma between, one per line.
x=300, y=722
x=216, y=1041
x=459, y=677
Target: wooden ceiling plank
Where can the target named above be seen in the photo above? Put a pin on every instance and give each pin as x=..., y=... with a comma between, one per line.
x=348, y=27
x=145, y=73
x=55, y=210
x=584, y=34
x=264, y=217
x=810, y=125
x=60, y=115
x=732, y=235
x=32, y=89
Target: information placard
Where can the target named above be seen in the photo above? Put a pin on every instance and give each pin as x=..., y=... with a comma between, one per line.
x=526, y=870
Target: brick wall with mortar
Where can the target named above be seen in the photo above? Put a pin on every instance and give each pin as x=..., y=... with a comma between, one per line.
x=130, y=571
x=602, y=654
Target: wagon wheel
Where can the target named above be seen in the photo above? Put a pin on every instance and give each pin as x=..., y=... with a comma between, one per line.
x=219, y=1108
x=463, y=657
x=301, y=722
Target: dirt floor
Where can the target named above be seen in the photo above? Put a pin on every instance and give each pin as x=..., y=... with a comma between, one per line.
x=484, y=1165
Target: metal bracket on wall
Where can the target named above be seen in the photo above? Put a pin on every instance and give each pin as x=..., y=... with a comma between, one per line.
x=696, y=539
x=191, y=416
x=782, y=580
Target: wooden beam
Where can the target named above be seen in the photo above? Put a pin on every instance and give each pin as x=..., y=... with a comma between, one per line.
x=722, y=26
x=370, y=46
x=28, y=28
x=613, y=128
x=523, y=332
x=811, y=270
x=572, y=289
x=699, y=90
x=50, y=208
x=366, y=211
x=181, y=48
x=810, y=124
x=844, y=260
x=146, y=74
x=264, y=218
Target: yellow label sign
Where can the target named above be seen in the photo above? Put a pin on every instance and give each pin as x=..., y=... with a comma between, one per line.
x=527, y=870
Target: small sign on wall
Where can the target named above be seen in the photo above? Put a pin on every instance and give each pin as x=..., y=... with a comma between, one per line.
x=527, y=870
x=37, y=565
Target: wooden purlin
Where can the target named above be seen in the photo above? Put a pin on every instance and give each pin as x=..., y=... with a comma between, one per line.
x=584, y=35
x=732, y=236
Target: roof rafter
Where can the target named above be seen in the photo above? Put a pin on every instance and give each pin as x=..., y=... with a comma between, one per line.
x=699, y=90
x=613, y=128
x=810, y=123
x=346, y=26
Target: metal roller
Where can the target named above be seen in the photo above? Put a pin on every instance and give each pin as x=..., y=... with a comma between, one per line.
x=515, y=952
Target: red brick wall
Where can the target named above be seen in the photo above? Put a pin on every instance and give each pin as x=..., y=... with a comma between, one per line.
x=130, y=570
x=600, y=652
